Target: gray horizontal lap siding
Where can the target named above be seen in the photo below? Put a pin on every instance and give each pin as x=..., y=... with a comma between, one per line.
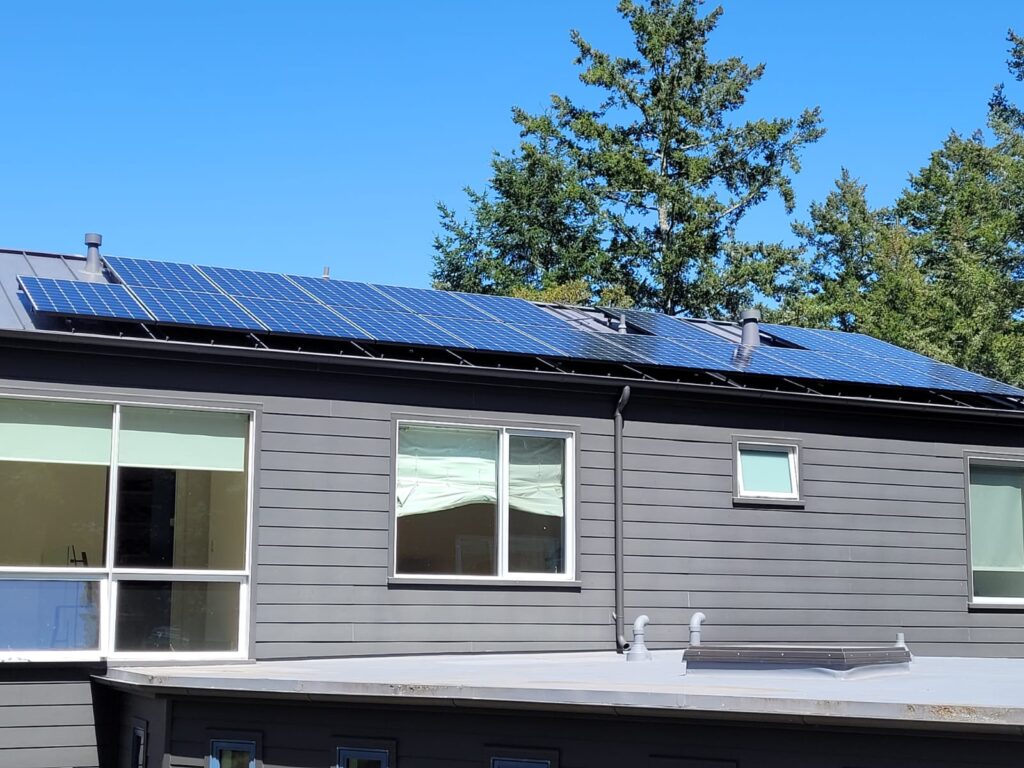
x=46, y=719
x=878, y=547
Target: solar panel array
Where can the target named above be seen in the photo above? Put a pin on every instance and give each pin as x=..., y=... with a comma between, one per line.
x=245, y=300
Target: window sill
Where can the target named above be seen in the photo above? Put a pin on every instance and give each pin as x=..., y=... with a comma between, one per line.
x=1017, y=607
x=753, y=501
x=426, y=581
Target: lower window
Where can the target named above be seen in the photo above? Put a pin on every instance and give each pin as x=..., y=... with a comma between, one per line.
x=49, y=614
x=363, y=758
x=997, y=531
x=483, y=501
x=233, y=754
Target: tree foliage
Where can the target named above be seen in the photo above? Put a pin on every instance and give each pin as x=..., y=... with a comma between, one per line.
x=637, y=197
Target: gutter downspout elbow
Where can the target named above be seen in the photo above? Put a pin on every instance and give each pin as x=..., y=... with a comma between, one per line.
x=620, y=594
x=695, y=622
x=638, y=651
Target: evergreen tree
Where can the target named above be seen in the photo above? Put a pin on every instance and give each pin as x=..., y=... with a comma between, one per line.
x=656, y=175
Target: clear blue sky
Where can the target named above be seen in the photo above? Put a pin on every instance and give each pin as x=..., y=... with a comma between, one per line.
x=290, y=135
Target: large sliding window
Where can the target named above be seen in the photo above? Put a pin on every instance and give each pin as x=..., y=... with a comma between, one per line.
x=484, y=502
x=125, y=530
x=997, y=531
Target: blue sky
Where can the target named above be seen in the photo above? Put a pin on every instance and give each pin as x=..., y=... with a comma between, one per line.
x=289, y=136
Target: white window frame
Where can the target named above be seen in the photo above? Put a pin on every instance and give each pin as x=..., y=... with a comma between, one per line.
x=372, y=753
x=986, y=460
x=792, y=450
x=503, y=575
x=109, y=575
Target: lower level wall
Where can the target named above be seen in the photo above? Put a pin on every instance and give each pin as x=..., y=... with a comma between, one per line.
x=307, y=735
x=48, y=718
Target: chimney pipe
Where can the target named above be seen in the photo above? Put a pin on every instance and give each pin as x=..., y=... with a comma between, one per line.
x=749, y=319
x=327, y=273
x=93, y=268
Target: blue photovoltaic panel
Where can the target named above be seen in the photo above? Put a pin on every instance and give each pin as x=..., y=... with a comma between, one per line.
x=433, y=303
x=158, y=274
x=400, y=327
x=303, y=319
x=74, y=297
x=674, y=328
x=493, y=336
x=571, y=342
x=515, y=311
x=256, y=285
x=341, y=293
x=213, y=310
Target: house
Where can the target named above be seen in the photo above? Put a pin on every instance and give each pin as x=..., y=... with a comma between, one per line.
x=257, y=519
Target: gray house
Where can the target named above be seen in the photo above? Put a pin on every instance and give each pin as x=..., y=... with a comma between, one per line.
x=256, y=519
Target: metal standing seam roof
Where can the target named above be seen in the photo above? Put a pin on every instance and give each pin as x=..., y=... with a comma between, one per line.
x=931, y=692
x=47, y=292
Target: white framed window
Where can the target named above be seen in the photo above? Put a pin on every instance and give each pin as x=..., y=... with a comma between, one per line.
x=483, y=502
x=226, y=753
x=766, y=470
x=996, y=530
x=127, y=530
x=357, y=757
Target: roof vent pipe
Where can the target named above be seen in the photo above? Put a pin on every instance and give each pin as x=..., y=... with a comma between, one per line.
x=92, y=256
x=622, y=323
x=638, y=650
x=327, y=273
x=695, y=622
x=749, y=319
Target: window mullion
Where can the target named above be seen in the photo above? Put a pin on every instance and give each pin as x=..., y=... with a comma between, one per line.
x=108, y=601
x=502, y=502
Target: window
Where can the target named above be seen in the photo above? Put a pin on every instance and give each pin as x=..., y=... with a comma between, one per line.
x=363, y=758
x=125, y=530
x=767, y=470
x=233, y=754
x=138, y=747
x=996, y=514
x=512, y=762
x=483, y=502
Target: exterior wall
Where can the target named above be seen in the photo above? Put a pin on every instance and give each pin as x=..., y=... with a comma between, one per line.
x=47, y=718
x=307, y=736
x=878, y=547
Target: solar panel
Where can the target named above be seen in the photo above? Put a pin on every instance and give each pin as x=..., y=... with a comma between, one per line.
x=674, y=328
x=158, y=274
x=303, y=319
x=257, y=285
x=213, y=310
x=82, y=299
x=493, y=336
x=433, y=303
x=400, y=327
x=509, y=310
x=571, y=342
x=341, y=293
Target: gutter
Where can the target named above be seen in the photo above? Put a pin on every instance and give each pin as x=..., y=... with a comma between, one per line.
x=319, y=361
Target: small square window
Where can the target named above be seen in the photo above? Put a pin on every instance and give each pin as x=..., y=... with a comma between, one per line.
x=767, y=470
x=363, y=758
x=233, y=754
x=138, y=747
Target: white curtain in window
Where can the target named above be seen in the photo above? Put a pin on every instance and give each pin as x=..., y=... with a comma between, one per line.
x=443, y=468
x=182, y=439
x=997, y=517
x=55, y=432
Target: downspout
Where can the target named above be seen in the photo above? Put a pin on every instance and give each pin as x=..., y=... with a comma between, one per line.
x=620, y=593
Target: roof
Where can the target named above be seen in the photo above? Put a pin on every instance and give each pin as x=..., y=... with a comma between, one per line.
x=930, y=692
x=244, y=309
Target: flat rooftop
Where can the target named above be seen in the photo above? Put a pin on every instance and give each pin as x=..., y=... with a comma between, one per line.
x=950, y=694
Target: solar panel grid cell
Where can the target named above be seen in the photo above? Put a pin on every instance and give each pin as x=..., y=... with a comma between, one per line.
x=509, y=310
x=257, y=285
x=571, y=342
x=81, y=299
x=490, y=335
x=212, y=310
x=674, y=328
x=301, y=318
x=158, y=274
x=341, y=293
x=422, y=301
x=400, y=327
